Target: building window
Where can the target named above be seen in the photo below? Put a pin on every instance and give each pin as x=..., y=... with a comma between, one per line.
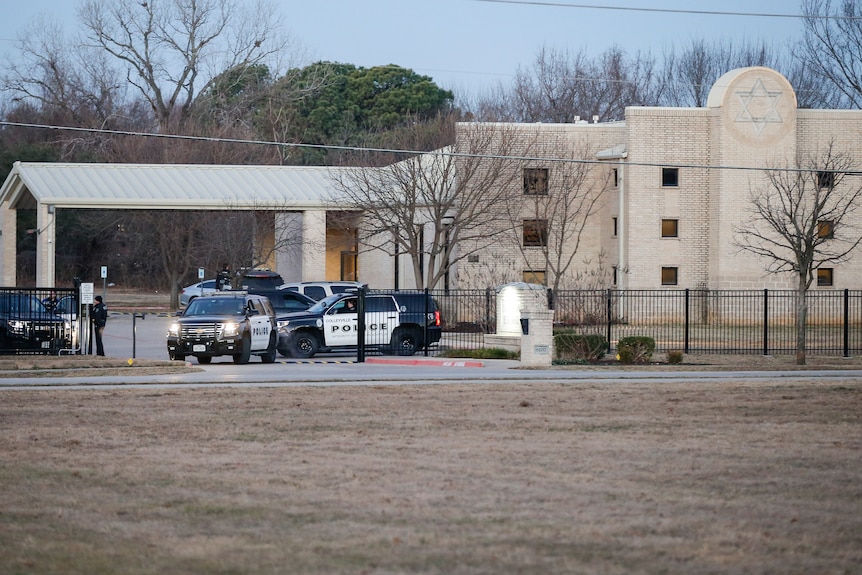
x=535, y=233
x=616, y=231
x=825, y=229
x=616, y=178
x=670, y=177
x=670, y=228
x=825, y=179
x=614, y=278
x=669, y=276
x=349, y=266
x=535, y=181
x=534, y=277
x=825, y=277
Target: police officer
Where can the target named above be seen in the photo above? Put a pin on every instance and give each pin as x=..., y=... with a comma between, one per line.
x=223, y=278
x=100, y=319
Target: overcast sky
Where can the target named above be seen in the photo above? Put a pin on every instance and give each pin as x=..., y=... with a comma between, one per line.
x=468, y=45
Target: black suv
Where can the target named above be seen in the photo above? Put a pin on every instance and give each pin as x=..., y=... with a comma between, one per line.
x=255, y=280
x=399, y=322
x=225, y=323
x=27, y=325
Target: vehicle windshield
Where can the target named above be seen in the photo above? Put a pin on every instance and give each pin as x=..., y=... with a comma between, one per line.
x=214, y=306
x=20, y=303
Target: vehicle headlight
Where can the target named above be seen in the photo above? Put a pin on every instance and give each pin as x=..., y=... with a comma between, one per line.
x=174, y=330
x=282, y=324
x=230, y=329
x=17, y=326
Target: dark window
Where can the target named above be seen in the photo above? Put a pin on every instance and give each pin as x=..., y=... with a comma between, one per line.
x=825, y=277
x=669, y=276
x=825, y=179
x=615, y=227
x=670, y=177
x=379, y=304
x=315, y=292
x=535, y=181
x=670, y=228
x=535, y=233
x=825, y=229
x=616, y=178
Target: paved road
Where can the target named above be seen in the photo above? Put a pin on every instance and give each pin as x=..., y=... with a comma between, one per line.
x=148, y=341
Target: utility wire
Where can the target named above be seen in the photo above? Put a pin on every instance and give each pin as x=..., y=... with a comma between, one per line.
x=671, y=10
x=405, y=152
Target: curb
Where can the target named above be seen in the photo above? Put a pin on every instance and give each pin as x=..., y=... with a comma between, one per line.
x=429, y=362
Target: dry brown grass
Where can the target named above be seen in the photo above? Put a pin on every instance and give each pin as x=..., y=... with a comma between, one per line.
x=588, y=477
x=85, y=366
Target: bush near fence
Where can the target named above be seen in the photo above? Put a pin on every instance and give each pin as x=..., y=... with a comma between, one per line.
x=570, y=345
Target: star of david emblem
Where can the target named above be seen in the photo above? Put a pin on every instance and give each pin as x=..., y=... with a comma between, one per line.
x=759, y=106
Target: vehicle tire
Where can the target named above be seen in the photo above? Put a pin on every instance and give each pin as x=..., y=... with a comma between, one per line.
x=245, y=352
x=269, y=356
x=405, y=341
x=205, y=359
x=303, y=344
x=174, y=356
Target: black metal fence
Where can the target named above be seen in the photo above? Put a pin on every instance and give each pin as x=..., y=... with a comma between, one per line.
x=718, y=321
x=692, y=321
x=39, y=320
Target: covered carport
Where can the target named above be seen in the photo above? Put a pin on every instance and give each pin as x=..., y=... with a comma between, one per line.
x=299, y=195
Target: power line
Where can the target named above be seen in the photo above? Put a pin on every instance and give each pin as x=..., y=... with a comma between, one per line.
x=669, y=10
x=405, y=152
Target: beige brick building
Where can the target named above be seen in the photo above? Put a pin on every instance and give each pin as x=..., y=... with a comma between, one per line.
x=676, y=185
x=671, y=188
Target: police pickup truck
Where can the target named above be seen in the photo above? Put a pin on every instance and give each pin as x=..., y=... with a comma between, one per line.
x=398, y=322
x=232, y=323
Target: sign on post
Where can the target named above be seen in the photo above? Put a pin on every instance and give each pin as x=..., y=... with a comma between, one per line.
x=104, y=272
x=86, y=293
x=200, y=273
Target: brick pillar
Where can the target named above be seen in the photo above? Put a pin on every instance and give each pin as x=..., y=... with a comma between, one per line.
x=9, y=251
x=537, y=346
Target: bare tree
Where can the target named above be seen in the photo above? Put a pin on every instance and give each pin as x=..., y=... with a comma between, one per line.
x=831, y=47
x=562, y=86
x=803, y=219
x=172, y=50
x=549, y=215
x=76, y=88
x=451, y=191
x=688, y=76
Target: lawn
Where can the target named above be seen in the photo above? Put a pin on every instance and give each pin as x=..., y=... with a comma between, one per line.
x=588, y=477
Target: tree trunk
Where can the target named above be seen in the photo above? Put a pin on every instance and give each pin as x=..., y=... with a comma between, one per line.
x=801, y=321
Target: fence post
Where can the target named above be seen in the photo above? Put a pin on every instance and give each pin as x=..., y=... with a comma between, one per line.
x=609, y=318
x=846, y=322
x=360, y=326
x=765, y=322
x=685, y=330
x=487, y=328
x=425, y=321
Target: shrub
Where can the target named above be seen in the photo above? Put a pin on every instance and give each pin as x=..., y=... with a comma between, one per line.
x=674, y=356
x=481, y=353
x=636, y=349
x=570, y=345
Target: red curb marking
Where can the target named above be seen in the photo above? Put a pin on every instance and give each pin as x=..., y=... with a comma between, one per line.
x=431, y=362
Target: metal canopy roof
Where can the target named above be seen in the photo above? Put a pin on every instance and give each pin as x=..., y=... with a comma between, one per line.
x=169, y=186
